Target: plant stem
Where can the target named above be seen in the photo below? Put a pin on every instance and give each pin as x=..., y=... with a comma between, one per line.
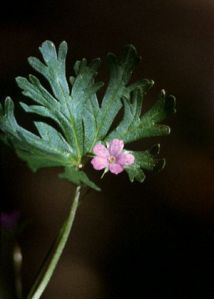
x=56, y=252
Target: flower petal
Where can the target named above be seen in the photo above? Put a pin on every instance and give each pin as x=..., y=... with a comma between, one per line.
x=99, y=163
x=125, y=158
x=115, y=168
x=101, y=150
x=115, y=147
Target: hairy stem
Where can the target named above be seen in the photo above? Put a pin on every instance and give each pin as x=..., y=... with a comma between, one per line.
x=56, y=252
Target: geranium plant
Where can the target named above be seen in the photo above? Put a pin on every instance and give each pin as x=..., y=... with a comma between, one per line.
x=83, y=133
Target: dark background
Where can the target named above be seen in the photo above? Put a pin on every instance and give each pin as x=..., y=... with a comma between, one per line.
x=150, y=240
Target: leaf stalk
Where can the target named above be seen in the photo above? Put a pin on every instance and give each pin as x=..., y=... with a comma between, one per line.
x=50, y=264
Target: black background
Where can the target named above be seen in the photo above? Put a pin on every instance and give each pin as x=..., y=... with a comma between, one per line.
x=150, y=240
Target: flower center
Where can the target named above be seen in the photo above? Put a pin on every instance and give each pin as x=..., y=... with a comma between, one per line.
x=112, y=159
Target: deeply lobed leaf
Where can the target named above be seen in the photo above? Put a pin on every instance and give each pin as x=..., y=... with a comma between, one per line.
x=134, y=126
x=78, y=177
x=146, y=160
x=50, y=149
x=81, y=121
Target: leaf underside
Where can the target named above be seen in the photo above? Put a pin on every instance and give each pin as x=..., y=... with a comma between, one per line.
x=81, y=121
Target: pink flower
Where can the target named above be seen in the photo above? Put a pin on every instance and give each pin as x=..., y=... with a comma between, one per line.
x=112, y=157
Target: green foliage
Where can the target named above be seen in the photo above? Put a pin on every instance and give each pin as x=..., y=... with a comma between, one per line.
x=80, y=120
x=134, y=126
x=50, y=149
x=146, y=160
x=78, y=177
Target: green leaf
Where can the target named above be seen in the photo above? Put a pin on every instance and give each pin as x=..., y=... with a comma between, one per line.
x=146, y=160
x=120, y=72
x=54, y=69
x=78, y=120
x=134, y=126
x=53, y=137
x=67, y=108
x=132, y=110
x=78, y=177
x=84, y=104
x=49, y=150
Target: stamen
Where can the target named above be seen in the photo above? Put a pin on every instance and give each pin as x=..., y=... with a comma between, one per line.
x=112, y=159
